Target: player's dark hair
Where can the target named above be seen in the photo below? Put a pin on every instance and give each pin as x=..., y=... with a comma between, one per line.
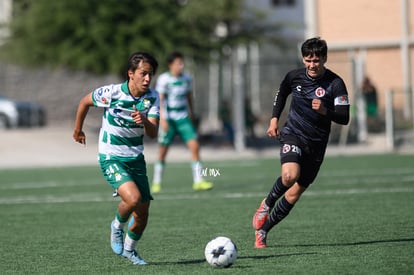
x=314, y=46
x=136, y=58
x=173, y=56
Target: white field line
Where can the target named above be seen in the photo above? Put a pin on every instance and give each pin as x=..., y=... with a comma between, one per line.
x=98, y=197
x=337, y=176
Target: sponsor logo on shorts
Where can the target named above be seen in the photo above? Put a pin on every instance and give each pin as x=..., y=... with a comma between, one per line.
x=291, y=148
x=286, y=148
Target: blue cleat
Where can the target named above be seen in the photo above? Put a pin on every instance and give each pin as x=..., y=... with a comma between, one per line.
x=117, y=240
x=134, y=257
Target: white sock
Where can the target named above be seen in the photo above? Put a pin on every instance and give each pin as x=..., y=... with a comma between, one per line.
x=129, y=244
x=158, y=171
x=197, y=169
x=117, y=224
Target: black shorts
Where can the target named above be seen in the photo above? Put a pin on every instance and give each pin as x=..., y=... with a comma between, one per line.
x=308, y=156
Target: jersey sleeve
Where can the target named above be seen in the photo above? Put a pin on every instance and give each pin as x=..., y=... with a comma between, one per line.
x=340, y=114
x=281, y=97
x=102, y=96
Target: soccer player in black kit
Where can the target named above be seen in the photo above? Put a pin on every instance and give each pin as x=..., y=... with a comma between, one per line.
x=319, y=96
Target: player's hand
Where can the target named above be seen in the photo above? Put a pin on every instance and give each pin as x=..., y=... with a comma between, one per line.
x=79, y=136
x=138, y=117
x=318, y=106
x=273, y=130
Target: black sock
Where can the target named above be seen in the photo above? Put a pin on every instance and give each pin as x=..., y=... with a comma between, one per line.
x=277, y=191
x=280, y=212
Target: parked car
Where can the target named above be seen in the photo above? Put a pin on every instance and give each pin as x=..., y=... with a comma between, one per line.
x=15, y=113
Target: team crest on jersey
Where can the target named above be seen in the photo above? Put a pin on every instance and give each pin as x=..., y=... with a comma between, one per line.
x=286, y=148
x=320, y=92
x=144, y=105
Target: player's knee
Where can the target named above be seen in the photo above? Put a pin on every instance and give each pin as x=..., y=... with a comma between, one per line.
x=288, y=179
x=133, y=201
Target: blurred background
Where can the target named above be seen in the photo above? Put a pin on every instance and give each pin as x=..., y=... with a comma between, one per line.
x=54, y=52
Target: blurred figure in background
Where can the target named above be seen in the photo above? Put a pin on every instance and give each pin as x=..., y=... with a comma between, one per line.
x=176, y=117
x=225, y=117
x=369, y=92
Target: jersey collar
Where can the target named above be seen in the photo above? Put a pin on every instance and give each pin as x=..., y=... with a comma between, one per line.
x=125, y=89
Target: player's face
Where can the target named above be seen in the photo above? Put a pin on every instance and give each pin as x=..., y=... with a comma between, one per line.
x=140, y=79
x=314, y=65
x=177, y=67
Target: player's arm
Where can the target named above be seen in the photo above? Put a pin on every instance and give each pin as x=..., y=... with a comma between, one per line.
x=340, y=113
x=83, y=108
x=163, y=118
x=150, y=123
x=278, y=106
x=190, y=105
x=151, y=127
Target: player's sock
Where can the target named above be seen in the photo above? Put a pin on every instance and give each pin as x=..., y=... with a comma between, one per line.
x=119, y=222
x=277, y=191
x=131, y=240
x=280, y=212
x=158, y=172
x=196, y=167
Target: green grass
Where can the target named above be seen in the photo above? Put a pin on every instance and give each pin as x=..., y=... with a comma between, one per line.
x=356, y=219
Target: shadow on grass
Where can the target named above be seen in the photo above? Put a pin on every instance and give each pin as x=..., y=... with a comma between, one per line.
x=354, y=243
x=255, y=257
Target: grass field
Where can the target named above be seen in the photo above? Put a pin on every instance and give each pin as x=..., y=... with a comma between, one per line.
x=358, y=218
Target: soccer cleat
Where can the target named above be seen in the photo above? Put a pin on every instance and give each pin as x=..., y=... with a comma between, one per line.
x=202, y=186
x=134, y=257
x=117, y=239
x=115, y=193
x=156, y=188
x=260, y=241
x=261, y=215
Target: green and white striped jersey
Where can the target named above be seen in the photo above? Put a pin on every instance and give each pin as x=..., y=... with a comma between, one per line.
x=175, y=91
x=120, y=137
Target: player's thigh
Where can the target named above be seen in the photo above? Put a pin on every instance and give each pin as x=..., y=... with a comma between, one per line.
x=115, y=172
x=290, y=158
x=130, y=193
x=138, y=170
x=186, y=130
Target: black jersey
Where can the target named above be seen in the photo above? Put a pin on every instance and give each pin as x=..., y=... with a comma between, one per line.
x=303, y=122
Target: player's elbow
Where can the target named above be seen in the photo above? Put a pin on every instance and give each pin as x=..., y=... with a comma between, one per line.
x=343, y=120
x=341, y=115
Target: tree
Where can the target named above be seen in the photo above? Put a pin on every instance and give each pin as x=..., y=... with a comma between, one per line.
x=98, y=36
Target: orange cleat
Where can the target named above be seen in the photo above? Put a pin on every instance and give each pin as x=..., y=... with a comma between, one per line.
x=261, y=215
x=260, y=241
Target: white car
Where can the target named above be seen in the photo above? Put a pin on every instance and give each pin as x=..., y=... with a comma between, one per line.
x=20, y=114
x=9, y=115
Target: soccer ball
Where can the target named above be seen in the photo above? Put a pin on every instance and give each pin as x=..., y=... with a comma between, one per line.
x=221, y=252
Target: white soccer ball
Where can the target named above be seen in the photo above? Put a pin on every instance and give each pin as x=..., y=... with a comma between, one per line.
x=221, y=252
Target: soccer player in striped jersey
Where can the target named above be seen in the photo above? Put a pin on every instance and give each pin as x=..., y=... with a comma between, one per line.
x=131, y=109
x=175, y=90
x=319, y=96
